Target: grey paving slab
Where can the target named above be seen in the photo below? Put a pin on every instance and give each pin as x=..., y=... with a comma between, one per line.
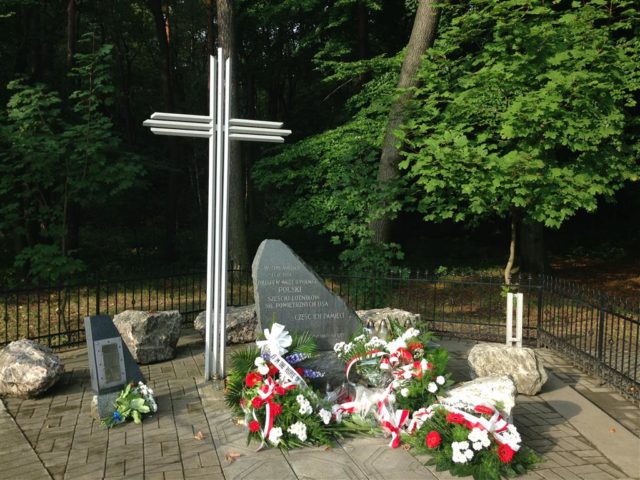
x=18, y=459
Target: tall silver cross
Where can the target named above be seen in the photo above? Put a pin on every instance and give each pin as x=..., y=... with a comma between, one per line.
x=219, y=129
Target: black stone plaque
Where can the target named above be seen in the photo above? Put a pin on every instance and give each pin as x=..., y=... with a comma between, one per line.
x=110, y=362
x=289, y=292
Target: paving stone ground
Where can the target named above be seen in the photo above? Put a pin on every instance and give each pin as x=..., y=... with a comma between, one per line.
x=55, y=437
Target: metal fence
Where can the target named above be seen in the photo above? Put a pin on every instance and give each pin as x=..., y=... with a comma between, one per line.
x=599, y=333
x=54, y=315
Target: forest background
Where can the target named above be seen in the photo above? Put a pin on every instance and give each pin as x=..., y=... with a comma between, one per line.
x=454, y=136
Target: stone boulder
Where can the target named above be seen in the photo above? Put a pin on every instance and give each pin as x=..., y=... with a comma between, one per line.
x=377, y=317
x=241, y=324
x=28, y=369
x=522, y=364
x=150, y=336
x=495, y=390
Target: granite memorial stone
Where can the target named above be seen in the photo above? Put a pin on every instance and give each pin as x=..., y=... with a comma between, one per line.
x=111, y=365
x=289, y=292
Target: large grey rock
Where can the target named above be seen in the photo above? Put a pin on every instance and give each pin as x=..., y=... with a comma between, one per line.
x=495, y=390
x=379, y=319
x=289, y=292
x=241, y=324
x=28, y=369
x=522, y=364
x=150, y=336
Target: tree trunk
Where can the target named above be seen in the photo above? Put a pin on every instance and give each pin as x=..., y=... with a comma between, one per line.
x=210, y=36
x=532, y=258
x=422, y=36
x=237, y=234
x=72, y=23
x=163, y=33
x=362, y=19
x=512, y=250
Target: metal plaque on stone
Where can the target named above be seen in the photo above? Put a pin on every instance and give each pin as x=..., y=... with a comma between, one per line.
x=111, y=371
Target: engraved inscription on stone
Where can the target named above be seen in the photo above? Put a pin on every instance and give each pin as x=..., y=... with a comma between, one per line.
x=110, y=362
x=289, y=292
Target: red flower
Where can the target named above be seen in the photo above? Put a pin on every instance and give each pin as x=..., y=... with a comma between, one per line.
x=413, y=346
x=405, y=355
x=279, y=389
x=276, y=409
x=433, y=439
x=483, y=409
x=273, y=370
x=505, y=452
x=455, y=418
x=252, y=379
x=300, y=371
x=257, y=402
x=254, y=426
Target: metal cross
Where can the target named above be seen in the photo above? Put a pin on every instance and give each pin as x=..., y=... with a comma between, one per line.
x=219, y=129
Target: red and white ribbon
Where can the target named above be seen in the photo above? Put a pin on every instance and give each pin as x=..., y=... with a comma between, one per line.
x=393, y=423
x=419, y=417
x=265, y=392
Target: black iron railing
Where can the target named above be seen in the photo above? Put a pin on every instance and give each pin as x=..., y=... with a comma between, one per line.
x=54, y=315
x=599, y=333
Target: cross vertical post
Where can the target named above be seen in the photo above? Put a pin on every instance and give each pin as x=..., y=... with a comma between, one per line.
x=219, y=129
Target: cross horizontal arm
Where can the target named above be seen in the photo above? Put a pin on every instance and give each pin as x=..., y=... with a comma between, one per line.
x=181, y=133
x=176, y=124
x=255, y=138
x=260, y=131
x=181, y=117
x=241, y=122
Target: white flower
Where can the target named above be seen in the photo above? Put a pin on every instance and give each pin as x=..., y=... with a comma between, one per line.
x=404, y=392
x=410, y=333
x=458, y=456
x=338, y=347
x=394, y=345
x=468, y=454
x=299, y=429
x=376, y=342
x=325, y=415
x=440, y=380
x=263, y=369
x=359, y=338
x=274, y=435
x=432, y=387
x=305, y=406
x=477, y=445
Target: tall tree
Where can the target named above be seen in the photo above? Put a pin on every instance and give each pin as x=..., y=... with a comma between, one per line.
x=534, y=120
x=422, y=37
x=237, y=232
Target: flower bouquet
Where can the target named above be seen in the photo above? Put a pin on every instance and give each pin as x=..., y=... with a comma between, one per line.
x=412, y=371
x=134, y=401
x=278, y=406
x=469, y=440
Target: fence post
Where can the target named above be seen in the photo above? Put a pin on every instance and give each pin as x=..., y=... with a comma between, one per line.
x=539, y=319
x=97, y=296
x=602, y=318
